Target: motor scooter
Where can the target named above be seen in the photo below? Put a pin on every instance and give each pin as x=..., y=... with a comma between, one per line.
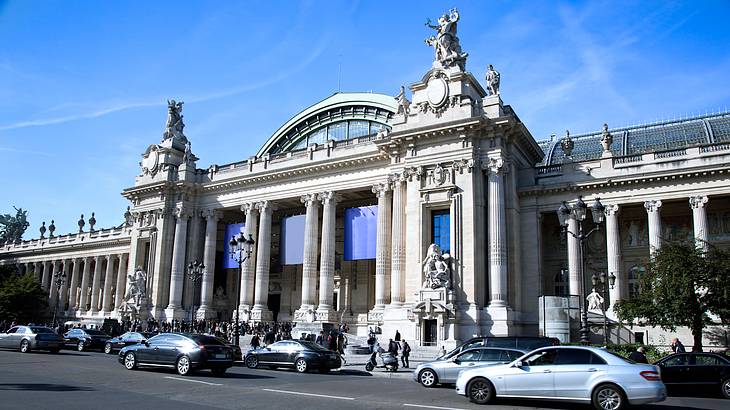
x=390, y=362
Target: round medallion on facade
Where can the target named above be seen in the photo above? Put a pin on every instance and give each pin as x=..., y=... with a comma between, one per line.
x=150, y=160
x=437, y=91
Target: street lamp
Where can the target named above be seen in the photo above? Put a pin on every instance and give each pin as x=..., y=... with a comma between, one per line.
x=240, y=249
x=59, y=278
x=599, y=282
x=579, y=212
x=195, y=273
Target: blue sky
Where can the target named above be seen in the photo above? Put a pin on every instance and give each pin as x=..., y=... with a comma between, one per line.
x=83, y=84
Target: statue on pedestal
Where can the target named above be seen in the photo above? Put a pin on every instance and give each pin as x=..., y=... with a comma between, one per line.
x=493, y=78
x=445, y=43
x=436, y=268
x=595, y=300
x=136, y=288
x=175, y=124
x=403, y=103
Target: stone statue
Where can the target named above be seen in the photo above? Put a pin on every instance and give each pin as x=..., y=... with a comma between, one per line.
x=436, y=268
x=567, y=144
x=136, y=288
x=404, y=105
x=595, y=301
x=445, y=43
x=493, y=78
x=175, y=124
x=81, y=223
x=188, y=152
x=606, y=139
x=13, y=227
x=220, y=293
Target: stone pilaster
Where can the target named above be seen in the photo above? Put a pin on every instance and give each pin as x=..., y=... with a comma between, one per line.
x=699, y=217
x=121, y=286
x=575, y=280
x=73, y=289
x=53, y=297
x=382, y=251
x=309, y=268
x=325, y=310
x=84, y=292
x=398, y=242
x=497, y=234
x=211, y=236
x=613, y=255
x=248, y=267
x=96, y=285
x=46, y=279
x=177, y=275
x=106, y=304
x=260, y=311
x=653, y=210
x=63, y=296
x=414, y=275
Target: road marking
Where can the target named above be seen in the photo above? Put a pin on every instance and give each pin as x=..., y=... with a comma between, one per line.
x=193, y=381
x=431, y=407
x=309, y=394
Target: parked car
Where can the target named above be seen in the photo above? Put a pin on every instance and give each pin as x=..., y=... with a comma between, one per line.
x=126, y=339
x=444, y=371
x=566, y=373
x=85, y=339
x=184, y=352
x=526, y=343
x=27, y=338
x=696, y=370
x=300, y=354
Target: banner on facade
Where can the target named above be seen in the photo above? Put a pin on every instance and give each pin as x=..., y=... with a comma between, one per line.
x=292, y=240
x=231, y=230
x=361, y=227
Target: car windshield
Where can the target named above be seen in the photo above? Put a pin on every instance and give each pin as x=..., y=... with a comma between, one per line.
x=38, y=330
x=207, y=340
x=95, y=332
x=313, y=346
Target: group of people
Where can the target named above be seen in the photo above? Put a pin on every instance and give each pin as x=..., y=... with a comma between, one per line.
x=395, y=346
x=639, y=355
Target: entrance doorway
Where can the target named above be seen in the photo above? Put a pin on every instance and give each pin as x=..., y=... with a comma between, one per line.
x=274, y=303
x=429, y=332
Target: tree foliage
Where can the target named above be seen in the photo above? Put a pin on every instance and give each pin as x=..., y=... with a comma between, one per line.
x=21, y=297
x=682, y=284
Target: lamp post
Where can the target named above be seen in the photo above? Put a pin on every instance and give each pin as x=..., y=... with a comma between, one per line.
x=240, y=249
x=579, y=211
x=195, y=273
x=599, y=281
x=59, y=278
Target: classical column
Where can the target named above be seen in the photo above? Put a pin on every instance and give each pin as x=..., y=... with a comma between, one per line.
x=67, y=282
x=260, y=310
x=211, y=237
x=52, y=286
x=108, y=282
x=575, y=279
x=613, y=254
x=382, y=250
x=699, y=216
x=46, y=280
x=121, y=281
x=398, y=241
x=653, y=209
x=325, y=310
x=73, y=290
x=497, y=234
x=28, y=267
x=38, y=270
x=247, y=268
x=83, y=298
x=178, y=262
x=309, y=267
x=96, y=285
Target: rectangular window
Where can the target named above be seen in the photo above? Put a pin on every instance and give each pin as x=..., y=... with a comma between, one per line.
x=441, y=230
x=358, y=129
x=337, y=131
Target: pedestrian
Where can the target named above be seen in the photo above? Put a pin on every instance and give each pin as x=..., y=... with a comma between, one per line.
x=393, y=348
x=638, y=355
x=255, y=342
x=677, y=346
x=406, y=354
x=397, y=335
x=320, y=339
x=442, y=352
x=371, y=343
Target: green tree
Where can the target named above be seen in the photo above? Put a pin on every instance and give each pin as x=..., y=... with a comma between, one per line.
x=681, y=286
x=21, y=297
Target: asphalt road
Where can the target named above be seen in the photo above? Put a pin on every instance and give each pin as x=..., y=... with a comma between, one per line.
x=93, y=380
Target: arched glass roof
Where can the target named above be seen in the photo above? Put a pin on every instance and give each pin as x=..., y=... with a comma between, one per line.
x=341, y=116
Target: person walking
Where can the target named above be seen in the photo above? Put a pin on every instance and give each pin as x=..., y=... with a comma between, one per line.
x=397, y=335
x=255, y=342
x=406, y=353
x=638, y=355
x=677, y=346
x=393, y=348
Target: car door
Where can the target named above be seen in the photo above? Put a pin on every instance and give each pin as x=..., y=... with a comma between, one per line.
x=71, y=337
x=451, y=368
x=534, y=378
x=271, y=353
x=574, y=370
x=674, y=369
x=6, y=339
x=705, y=368
x=149, y=353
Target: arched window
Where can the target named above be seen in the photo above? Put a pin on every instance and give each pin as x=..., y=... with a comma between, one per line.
x=634, y=278
x=561, y=283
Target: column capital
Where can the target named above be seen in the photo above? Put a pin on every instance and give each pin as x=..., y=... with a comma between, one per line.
x=78, y=259
x=412, y=172
x=397, y=178
x=612, y=209
x=698, y=201
x=248, y=207
x=265, y=206
x=464, y=164
x=328, y=197
x=381, y=189
x=110, y=257
x=309, y=200
x=211, y=214
x=182, y=212
x=652, y=205
x=122, y=256
x=495, y=165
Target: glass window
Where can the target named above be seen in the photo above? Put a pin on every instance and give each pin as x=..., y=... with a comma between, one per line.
x=159, y=339
x=541, y=358
x=358, y=129
x=94, y=332
x=337, y=131
x=678, y=360
x=375, y=127
x=561, y=283
x=12, y=330
x=704, y=360
x=441, y=230
x=501, y=342
x=22, y=329
x=312, y=346
x=492, y=355
x=38, y=330
x=318, y=137
x=470, y=356
x=511, y=355
x=574, y=356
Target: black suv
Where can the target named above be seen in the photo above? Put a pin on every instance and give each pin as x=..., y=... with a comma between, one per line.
x=527, y=343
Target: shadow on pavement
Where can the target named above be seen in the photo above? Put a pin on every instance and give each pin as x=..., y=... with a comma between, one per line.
x=42, y=387
x=349, y=372
x=206, y=374
x=544, y=404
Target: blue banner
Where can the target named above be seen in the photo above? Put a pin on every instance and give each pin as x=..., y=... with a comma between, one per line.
x=231, y=230
x=361, y=227
x=292, y=240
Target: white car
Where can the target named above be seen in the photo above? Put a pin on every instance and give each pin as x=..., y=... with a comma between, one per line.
x=566, y=373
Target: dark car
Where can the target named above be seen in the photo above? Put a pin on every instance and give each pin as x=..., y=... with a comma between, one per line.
x=126, y=339
x=696, y=370
x=508, y=342
x=27, y=338
x=300, y=354
x=182, y=351
x=86, y=339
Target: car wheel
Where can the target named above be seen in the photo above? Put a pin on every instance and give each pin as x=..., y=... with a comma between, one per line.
x=725, y=385
x=608, y=397
x=480, y=391
x=24, y=346
x=108, y=348
x=300, y=365
x=80, y=346
x=130, y=361
x=183, y=366
x=219, y=371
x=252, y=362
x=428, y=378
x=369, y=367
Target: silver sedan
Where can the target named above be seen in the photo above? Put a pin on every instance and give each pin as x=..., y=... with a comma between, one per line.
x=27, y=338
x=446, y=370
